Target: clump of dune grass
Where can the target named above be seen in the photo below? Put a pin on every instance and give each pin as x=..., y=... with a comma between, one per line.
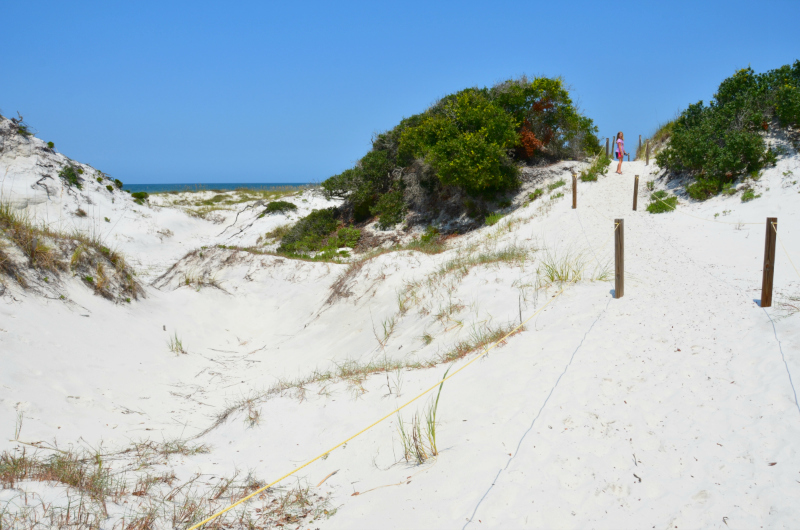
x=569, y=267
x=152, y=499
x=175, y=345
x=419, y=442
x=599, y=166
x=492, y=218
x=47, y=250
x=462, y=264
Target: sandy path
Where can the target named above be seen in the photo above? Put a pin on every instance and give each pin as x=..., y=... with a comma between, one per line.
x=675, y=404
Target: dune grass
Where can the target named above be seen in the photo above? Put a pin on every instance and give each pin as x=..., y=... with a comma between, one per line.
x=47, y=249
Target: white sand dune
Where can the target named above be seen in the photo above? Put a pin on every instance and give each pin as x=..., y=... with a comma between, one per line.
x=666, y=408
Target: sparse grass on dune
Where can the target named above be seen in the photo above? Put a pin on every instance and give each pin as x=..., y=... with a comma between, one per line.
x=463, y=263
x=133, y=495
x=46, y=250
x=559, y=268
x=354, y=373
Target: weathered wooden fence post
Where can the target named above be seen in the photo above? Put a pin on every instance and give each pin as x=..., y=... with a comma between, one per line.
x=635, y=192
x=574, y=191
x=607, y=153
x=647, y=154
x=619, y=258
x=769, y=262
x=640, y=145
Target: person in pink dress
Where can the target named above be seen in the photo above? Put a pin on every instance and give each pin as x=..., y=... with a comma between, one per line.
x=620, y=151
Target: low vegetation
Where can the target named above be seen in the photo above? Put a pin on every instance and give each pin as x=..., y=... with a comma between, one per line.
x=598, y=167
x=320, y=231
x=71, y=176
x=278, y=207
x=50, y=253
x=662, y=202
x=139, y=197
x=723, y=141
x=138, y=493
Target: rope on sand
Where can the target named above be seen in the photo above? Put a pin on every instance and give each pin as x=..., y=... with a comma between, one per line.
x=362, y=431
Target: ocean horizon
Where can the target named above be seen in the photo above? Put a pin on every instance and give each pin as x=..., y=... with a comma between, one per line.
x=201, y=186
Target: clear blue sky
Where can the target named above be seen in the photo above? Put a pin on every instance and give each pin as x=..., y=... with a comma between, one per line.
x=292, y=92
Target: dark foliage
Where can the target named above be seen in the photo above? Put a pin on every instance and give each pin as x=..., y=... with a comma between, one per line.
x=722, y=141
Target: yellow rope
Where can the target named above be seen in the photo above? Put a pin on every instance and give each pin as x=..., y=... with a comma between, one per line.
x=784, y=249
x=487, y=350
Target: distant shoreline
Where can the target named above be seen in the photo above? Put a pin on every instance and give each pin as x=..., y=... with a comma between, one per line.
x=210, y=186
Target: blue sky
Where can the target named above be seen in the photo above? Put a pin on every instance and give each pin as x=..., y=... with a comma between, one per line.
x=292, y=92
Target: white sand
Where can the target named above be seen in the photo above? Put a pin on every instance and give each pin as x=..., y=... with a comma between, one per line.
x=683, y=382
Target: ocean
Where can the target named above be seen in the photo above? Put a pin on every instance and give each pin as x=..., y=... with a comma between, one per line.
x=221, y=186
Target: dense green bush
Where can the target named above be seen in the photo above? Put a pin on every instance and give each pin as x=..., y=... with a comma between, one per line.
x=50, y=145
x=310, y=232
x=723, y=141
x=391, y=209
x=345, y=237
x=472, y=141
x=278, y=207
x=70, y=176
x=661, y=202
x=140, y=196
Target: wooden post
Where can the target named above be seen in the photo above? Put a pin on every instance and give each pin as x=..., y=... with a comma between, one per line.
x=607, y=154
x=635, y=191
x=647, y=154
x=769, y=262
x=574, y=191
x=640, y=145
x=619, y=258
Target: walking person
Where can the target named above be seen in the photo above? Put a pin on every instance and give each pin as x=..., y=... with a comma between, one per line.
x=620, y=151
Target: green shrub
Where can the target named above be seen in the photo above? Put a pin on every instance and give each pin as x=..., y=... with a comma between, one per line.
x=431, y=233
x=118, y=183
x=345, y=237
x=110, y=188
x=724, y=140
x=749, y=195
x=140, y=196
x=703, y=189
x=661, y=202
x=556, y=196
x=50, y=145
x=554, y=185
x=70, y=176
x=310, y=232
x=471, y=140
x=493, y=218
x=99, y=180
x=278, y=207
x=536, y=194
x=391, y=208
